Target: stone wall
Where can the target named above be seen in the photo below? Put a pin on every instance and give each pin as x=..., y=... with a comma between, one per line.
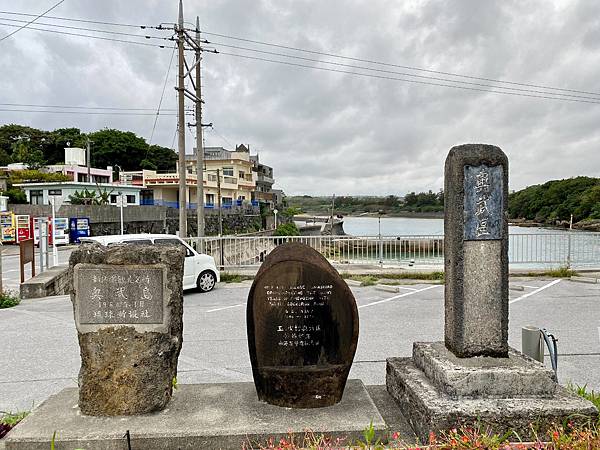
x=54, y=281
x=234, y=222
x=105, y=219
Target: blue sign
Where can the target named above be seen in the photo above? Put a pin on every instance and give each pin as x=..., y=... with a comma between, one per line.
x=484, y=200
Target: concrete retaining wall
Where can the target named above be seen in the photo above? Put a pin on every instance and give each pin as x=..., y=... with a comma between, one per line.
x=54, y=281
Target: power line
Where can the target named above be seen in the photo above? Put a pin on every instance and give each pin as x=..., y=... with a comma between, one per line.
x=419, y=69
x=70, y=19
x=383, y=77
x=81, y=107
x=31, y=21
x=46, y=111
x=469, y=83
x=162, y=95
x=89, y=36
x=120, y=33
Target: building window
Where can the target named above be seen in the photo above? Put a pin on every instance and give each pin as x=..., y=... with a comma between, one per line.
x=130, y=199
x=113, y=198
x=227, y=200
x=241, y=174
x=227, y=171
x=36, y=197
x=210, y=199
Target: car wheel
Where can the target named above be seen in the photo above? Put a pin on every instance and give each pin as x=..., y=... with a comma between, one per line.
x=206, y=281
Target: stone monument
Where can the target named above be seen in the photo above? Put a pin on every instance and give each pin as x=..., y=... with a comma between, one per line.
x=128, y=309
x=302, y=324
x=474, y=376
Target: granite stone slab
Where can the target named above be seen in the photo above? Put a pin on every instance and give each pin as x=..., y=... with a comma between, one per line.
x=484, y=376
x=199, y=416
x=428, y=409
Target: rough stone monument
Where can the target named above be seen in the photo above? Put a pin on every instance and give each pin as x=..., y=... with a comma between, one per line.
x=128, y=309
x=302, y=324
x=474, y=376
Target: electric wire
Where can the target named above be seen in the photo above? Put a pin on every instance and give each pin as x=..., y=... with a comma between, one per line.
x=31, y=21
x=383, y=77
x=162, y=94
x=119, y=33
x=46, y=111
x=70, y=19
x=146, y=44
x=80, y=107
x=425, y=77
x=419, y=69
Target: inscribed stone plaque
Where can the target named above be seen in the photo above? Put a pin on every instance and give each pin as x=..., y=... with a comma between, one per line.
x=483, y=215
x=124, y=295
x=302, y=329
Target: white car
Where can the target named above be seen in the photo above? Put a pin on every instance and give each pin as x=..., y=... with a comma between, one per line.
x=200, y=270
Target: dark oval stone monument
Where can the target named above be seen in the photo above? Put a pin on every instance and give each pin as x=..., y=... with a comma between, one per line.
x=302, y=325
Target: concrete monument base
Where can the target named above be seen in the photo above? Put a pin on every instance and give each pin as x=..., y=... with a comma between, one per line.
x=437, y=391
x=206, y=416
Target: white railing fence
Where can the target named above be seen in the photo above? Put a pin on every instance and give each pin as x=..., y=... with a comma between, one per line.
x=560, y=249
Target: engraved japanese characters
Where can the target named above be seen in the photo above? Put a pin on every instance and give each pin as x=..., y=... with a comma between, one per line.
x=302, y=326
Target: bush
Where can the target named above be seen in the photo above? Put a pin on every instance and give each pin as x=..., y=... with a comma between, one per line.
x=8, y=299
x=9, y=420
x=287, y=229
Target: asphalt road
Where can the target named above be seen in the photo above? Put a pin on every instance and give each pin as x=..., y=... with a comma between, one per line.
x=11, y=275
x=40, y=354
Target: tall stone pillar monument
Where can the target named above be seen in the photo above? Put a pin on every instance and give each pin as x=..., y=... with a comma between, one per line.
x=476, y=251
x=474, y=377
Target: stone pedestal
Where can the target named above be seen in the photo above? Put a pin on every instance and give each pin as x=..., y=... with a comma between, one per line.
x=437, y=391
x=128, y=309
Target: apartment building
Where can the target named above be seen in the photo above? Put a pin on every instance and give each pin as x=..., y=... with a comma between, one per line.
x=235, y=169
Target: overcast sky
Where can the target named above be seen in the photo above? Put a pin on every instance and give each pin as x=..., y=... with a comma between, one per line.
x=326, y=132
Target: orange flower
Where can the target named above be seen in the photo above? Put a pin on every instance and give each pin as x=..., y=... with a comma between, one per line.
x=465, y=439
x=555, y=435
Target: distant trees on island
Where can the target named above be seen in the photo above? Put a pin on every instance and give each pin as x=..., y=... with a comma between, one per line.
x=554, y=202
x=551, y=203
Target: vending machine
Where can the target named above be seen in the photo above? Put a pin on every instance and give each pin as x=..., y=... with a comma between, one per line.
x=36, y=230
x=61, y=230
x=79, y=227
x=7, y=225
x=23, y=227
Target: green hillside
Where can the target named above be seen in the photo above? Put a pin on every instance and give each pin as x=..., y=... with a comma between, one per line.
x=556, y=200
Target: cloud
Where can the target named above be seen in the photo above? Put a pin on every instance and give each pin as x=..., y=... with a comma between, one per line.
x=326, y=132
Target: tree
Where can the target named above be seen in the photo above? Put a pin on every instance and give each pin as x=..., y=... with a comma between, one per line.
x=162, y=158
x=113, y=147
x=84, y=197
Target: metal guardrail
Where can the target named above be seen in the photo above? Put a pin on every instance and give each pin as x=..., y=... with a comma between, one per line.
x=560, y=249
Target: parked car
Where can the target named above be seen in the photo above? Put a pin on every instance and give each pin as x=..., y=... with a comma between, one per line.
x=200, y=270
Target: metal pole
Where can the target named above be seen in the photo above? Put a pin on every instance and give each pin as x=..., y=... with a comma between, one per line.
x=1, y=284
x=121, y=208
x=54, y=248
x=275, y=212
x=222, y=258
x=380, y=241
x=88, y=162
x=181, y=127
x=199, y=144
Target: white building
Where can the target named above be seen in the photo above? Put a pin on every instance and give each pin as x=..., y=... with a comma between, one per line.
x=40, y=193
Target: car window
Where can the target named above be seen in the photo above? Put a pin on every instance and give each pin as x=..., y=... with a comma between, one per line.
x=138, y=242
x=171, y=241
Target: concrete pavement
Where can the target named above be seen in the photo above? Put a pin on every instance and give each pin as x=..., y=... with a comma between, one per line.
x=41, y=354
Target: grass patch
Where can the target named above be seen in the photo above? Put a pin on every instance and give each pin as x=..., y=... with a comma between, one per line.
x=9, y=299
x=8, y=421
x=582, y=391
x=436, y=276
x=561, y=272
x=234, y=277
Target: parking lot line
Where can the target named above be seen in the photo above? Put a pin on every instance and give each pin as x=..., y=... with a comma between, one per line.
x=399, y=296
x=225, y=307
x=529, y=294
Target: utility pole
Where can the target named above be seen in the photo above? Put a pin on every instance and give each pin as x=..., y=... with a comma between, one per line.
x=181, y=126
x=88, y=162
x=199, y=143
x=219, y=202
